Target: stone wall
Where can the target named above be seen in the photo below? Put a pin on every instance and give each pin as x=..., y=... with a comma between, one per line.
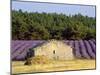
x=55, y=49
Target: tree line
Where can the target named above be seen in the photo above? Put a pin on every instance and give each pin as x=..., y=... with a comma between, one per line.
x=44, y=26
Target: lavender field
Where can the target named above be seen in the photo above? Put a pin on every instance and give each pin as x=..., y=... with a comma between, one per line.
x=81, y=49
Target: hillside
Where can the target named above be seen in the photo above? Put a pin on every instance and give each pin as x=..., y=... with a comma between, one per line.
x=44, y=26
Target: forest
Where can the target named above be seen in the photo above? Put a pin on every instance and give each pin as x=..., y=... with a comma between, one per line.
x=44, y=26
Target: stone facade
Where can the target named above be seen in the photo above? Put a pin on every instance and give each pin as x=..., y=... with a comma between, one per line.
x=55, y=49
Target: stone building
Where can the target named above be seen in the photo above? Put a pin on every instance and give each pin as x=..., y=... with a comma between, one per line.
x=54, y=49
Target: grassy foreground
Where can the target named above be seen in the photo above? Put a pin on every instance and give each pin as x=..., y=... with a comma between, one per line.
x=77, y=64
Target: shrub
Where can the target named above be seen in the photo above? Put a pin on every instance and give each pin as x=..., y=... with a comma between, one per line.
x=40, y=59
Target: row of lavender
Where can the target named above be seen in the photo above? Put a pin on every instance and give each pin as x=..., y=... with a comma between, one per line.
x=81, y=49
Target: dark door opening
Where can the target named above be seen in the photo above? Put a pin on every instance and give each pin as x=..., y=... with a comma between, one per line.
x=53, y=51
x=54, y=54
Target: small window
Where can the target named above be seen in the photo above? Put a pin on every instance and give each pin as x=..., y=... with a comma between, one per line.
x=53, y=51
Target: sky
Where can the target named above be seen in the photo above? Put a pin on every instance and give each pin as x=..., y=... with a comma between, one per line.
x=54, y=8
